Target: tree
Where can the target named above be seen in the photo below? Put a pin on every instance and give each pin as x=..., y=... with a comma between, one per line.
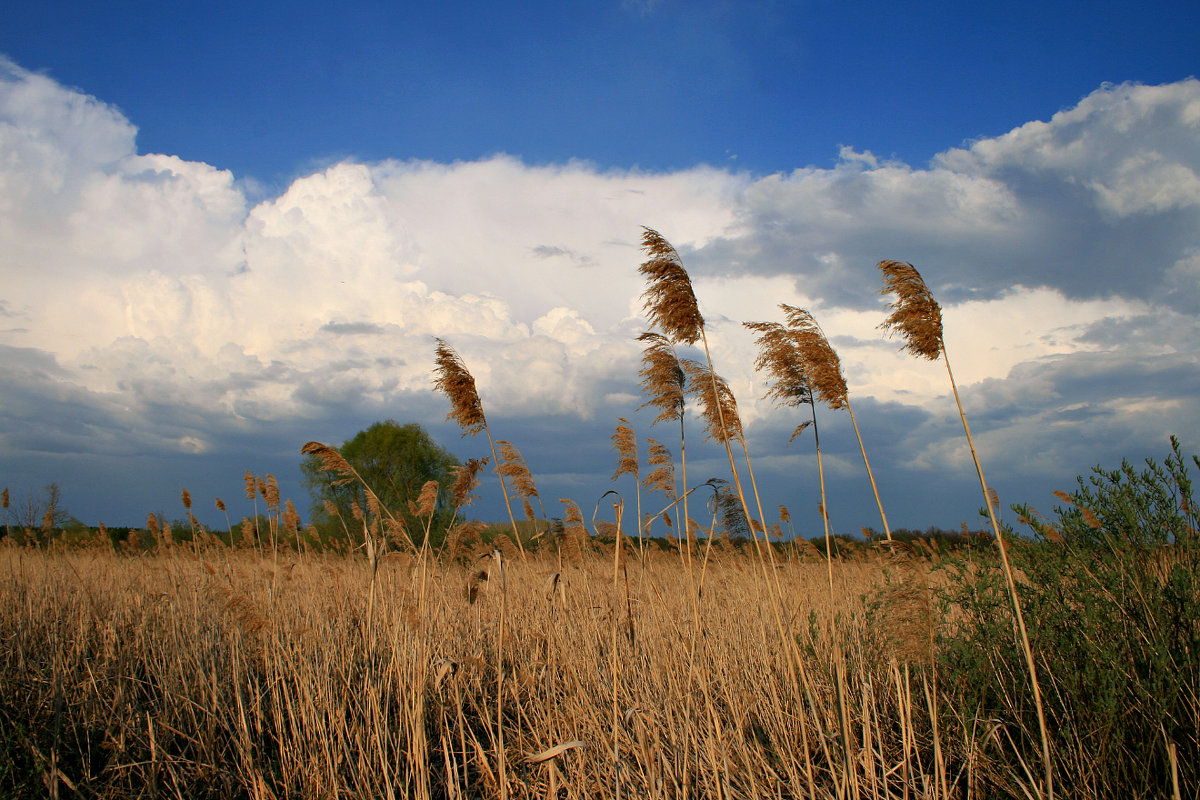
x=396, y=461
x=37, y=513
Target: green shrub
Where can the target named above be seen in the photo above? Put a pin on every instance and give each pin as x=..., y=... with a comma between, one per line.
x=1111, y=594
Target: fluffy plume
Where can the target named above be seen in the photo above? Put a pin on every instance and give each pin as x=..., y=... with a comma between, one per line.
x=513, y=467
x=669, y=302
x=821, y=363
x=780, y=356
x=454, y=379
x=662, y=477
x=915, y=314
x=331, y=461
x=427, y=500
x=715, y=407
x=251, y=486
x=466, y=478
x=185, y=497
x=663, y=379
x=625, y=443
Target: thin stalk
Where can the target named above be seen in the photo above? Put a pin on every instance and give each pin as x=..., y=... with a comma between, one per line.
x=870, y=474
x=824, y=508
x=1012, y=587
x=504, y=490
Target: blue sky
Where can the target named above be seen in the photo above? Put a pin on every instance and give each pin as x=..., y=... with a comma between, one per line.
x=268, y=92
x=229, y=228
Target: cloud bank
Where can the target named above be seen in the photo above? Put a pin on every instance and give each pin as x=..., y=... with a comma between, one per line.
x=152, y=310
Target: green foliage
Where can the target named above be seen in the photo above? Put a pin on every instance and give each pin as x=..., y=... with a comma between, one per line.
x=1111, y=592
x=395, y=461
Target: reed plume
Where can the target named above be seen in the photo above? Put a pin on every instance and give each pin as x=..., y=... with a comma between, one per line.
x=915, y=314
x=455, y=380
x=718, y=407
x=825, y=370
x=780, y=355
x=669, y=301
x=466, y=479
x=918, y=319
x=665, y=385
x=624, y=441
x=662, y=477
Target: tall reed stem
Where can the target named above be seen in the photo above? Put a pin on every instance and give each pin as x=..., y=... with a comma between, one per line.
x=1027, y=649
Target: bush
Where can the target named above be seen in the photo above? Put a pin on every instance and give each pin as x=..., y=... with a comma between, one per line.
x=1111, y=594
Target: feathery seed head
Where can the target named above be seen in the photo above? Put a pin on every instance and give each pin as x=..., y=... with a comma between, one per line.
x=625, y=443
x=427, y=500
x=455, y=380
x=466, y=478
x=186, y=498
x=513, y=467
x=780, y=357
x=915, y=314
x=718, y=408
x=663, y=379
x=662, y=477
x=820, y=363
x=669, y=301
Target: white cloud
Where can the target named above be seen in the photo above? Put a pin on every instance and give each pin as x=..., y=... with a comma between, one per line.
x=165, y=303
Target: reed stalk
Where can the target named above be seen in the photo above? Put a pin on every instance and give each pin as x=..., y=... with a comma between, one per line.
x=455, y=380
x=917, y=316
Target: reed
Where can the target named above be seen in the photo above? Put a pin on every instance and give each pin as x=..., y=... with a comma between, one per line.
x=455, y=381
x=917, y=317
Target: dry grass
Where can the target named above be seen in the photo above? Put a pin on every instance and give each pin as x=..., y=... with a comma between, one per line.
x=224, y=676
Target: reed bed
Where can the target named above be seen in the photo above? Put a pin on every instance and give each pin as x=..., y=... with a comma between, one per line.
x=224, y=675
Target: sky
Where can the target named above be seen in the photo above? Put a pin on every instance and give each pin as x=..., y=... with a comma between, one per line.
x=228, y=229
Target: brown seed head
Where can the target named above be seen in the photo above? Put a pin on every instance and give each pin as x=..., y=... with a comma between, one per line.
x=291, y=518
x=669, y=301
x=251, y=486
x=454, y=379
x=271, y=492
x=331, y=461
x=662, y=477
x=915, y=314
x=4, y=498
x=186, y=499
x=466, y=478
x=718, y=409
x=625, y=443
x=427, y=500
x=821, y=363
x=663, y=379
x=220, y=504
x=780, y=356
x=513, y=467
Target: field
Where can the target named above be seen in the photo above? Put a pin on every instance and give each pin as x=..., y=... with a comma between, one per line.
x=213, y=672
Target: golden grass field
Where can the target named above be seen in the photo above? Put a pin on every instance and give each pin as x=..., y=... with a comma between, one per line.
x=222, y=674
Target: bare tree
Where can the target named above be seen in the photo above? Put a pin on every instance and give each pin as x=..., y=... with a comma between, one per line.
x=35, y=508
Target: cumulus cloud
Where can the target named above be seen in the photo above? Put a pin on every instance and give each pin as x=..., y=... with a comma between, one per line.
x=150, y=306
